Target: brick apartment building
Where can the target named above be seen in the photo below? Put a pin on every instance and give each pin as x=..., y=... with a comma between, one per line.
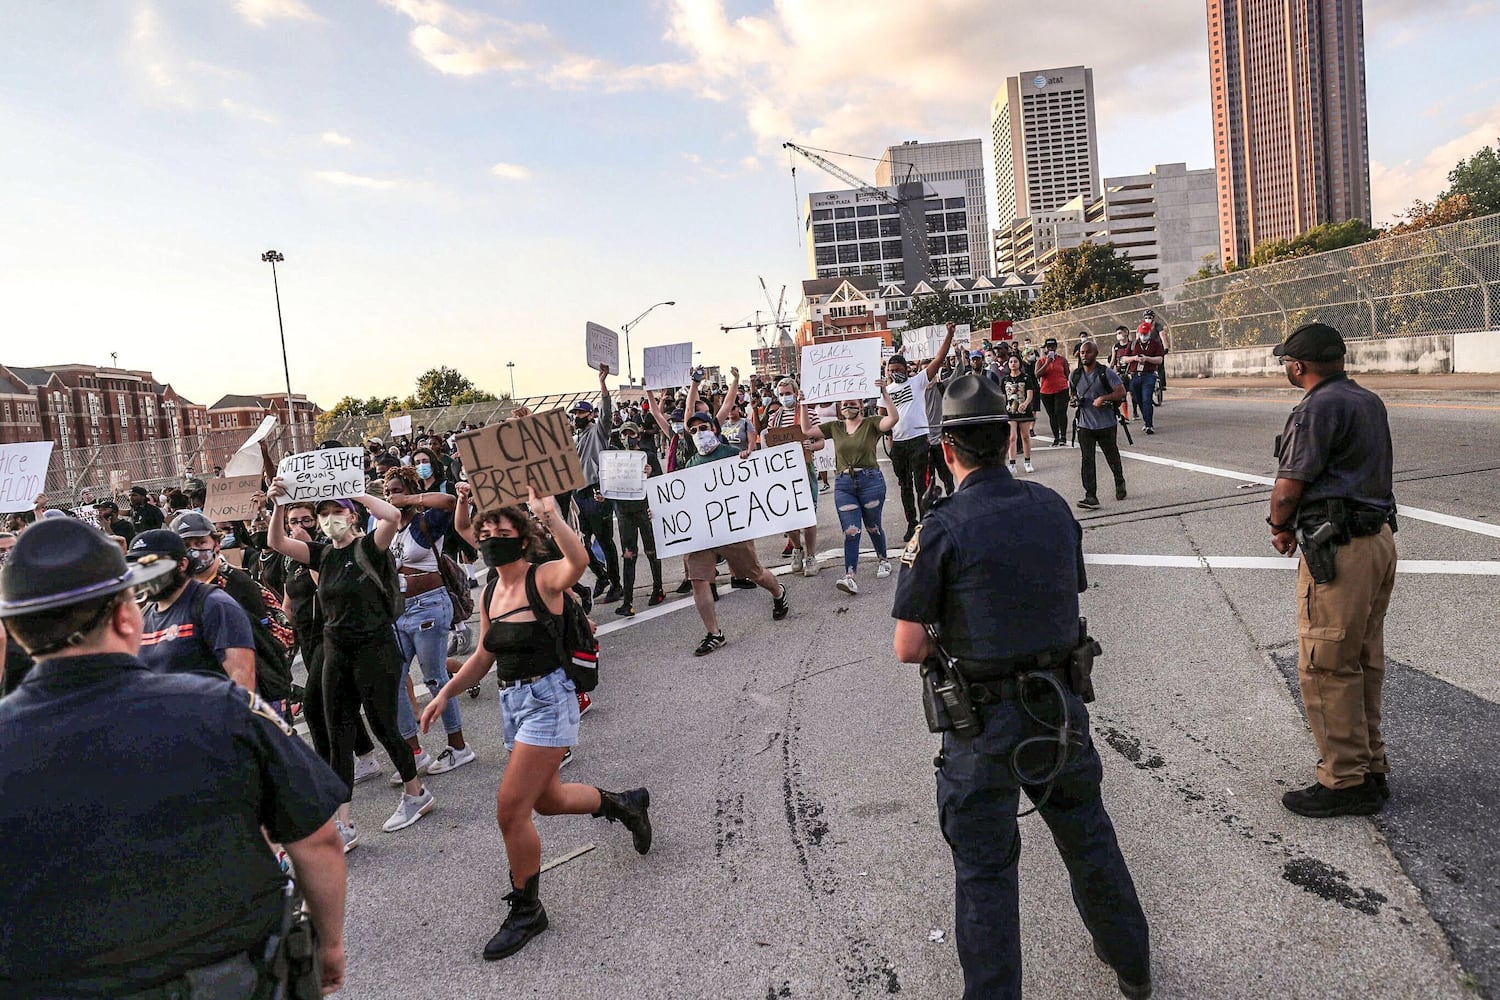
x=82, y=406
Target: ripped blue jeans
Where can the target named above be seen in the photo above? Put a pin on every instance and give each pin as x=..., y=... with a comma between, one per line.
x=859, y=496
x=422, y=632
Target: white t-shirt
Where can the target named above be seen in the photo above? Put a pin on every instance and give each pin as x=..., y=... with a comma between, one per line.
x=910, y=398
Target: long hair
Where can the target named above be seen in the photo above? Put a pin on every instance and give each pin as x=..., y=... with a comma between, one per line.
x=534, y=545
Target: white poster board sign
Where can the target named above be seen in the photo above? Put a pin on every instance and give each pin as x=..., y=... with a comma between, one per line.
x=601, y=346
x=401, y=425
x=843, y=369
x=23, y=474
x=823, y=458
x=622, y=475
x=246, y=459
x=330, y=474
x=669, y=366
x=732, y=500
x=924, y=342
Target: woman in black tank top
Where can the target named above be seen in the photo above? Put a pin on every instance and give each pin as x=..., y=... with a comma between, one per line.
x=538, y=705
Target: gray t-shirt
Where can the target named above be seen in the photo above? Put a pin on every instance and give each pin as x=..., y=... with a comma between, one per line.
x=1089, y=386
x=1337, y=440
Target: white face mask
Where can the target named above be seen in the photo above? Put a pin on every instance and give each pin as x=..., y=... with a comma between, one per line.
x=335, y=526
x=706, y=440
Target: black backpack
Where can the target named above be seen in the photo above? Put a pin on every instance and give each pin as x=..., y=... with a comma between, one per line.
x=273, y=673
x=385, y=577
x=577, y=649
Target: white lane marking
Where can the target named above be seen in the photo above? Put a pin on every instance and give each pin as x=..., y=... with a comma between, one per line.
x=666, y=609
x=1415, y=513
x=1477, y=567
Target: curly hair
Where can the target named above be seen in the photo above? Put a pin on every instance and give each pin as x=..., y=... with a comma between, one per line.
x=407, y=477
x=534, y=540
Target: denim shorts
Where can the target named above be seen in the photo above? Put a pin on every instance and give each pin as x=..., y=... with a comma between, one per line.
x=543, y=713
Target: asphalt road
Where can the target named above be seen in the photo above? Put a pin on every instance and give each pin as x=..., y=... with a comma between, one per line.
x=797, y=853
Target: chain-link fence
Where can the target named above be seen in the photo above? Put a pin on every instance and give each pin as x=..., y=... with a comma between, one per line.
x=1443, y=280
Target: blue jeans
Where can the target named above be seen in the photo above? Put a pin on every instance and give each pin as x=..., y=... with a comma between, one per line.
x=543, y=713
x=1142, y=386
x=860, y=498
x=422, y=631
x=977, y=794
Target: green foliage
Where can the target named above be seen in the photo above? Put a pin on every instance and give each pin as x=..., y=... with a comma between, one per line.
x=471, y=396
x=371, y=407
x=1478, y=177
x=1447, y=209
x=1318, y=239
x=934, y=310
x=437, y=387
x=1084, y=275
x=1210, y=268
x=1010, y=305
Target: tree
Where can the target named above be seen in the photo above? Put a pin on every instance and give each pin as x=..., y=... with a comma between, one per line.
x=1210, y=268
x=439, y=387
x=351, y=407
x=472, y=396
x=1447, y=209
x=1086, y=274
x=1479, y=178
x=935, y=310
x=1318, y=239
x=1009, y=306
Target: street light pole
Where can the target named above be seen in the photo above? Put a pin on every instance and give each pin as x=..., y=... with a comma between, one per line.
x=629, y=367
x=512, y=366
x=274, y=257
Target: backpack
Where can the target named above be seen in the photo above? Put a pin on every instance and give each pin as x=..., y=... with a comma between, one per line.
x=384, y=577
x=455, y=580
x=273, y=672
x=577, y=649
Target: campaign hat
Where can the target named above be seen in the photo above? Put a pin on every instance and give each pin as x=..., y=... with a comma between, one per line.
x=1313, y=342
x=973, y=399
x=60, y=562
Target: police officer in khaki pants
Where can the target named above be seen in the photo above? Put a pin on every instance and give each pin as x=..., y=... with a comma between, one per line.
x=1333, y=499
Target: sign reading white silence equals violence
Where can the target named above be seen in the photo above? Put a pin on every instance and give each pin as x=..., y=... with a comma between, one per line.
x=733, y=500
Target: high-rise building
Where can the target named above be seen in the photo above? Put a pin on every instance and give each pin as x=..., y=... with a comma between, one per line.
x=1290, y=131
x=1043, y=133
x=956, y=160
x=859, y=232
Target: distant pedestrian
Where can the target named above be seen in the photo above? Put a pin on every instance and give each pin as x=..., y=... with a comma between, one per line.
x=1096, y=390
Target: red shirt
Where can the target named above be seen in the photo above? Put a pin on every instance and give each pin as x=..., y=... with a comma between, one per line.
x=1052, y=375
x=1145, y=356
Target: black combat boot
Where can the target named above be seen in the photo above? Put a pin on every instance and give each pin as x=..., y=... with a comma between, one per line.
x=1133, y=990
x=526, y=920
x=629, y=808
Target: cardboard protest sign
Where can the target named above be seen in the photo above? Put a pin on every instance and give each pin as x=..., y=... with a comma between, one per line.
x=669, y=366
x=119, y=482
x=843, y=369
x=400, y=425
x=775, y=437
x=622, y=475
x=232, y=498
x=601, y=346
x=330, y=474
x=733, y=500
x=246, y=459
x=23, y=474
x=502, y=459
x=823, y=460
x=234, y=557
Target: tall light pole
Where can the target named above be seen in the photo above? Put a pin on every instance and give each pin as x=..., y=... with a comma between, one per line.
x=274, y=257
x=629, y=367
x=512, y=366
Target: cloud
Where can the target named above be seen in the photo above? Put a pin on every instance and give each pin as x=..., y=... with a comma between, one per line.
x=259, y=12
x=336, y=139
x=245, y=111
x=1393, y=187
x=510, y=172
x=345, y=179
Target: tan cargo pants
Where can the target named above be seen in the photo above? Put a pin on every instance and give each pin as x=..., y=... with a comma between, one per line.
x=1341, y=657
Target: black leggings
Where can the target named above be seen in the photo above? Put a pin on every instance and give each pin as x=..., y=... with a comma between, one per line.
x=313, y=703
x=636, y=537
x=939, y=465
x=1056, y=405
x=364, y=670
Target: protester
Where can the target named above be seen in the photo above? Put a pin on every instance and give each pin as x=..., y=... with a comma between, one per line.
x=909, y=448
x=1095, y=390
x=110, y=521
x=859, y=490
x=143, y=515
x=1051, y=371
x=538, y=707
x=1145, y=354
x=1020, y=389
x=637, y=536
x=596, y=515
x=782, y=412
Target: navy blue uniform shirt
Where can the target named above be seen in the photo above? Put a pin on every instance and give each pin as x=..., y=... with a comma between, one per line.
x=131, y=804
x=1338, y=441
x=998, y=567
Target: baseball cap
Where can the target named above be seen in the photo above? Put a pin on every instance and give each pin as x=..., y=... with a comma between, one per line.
x=376, y=443
x=139, y=491
x=107, y=505
x=976, y=354
x=191, y=524
x=346, y=504
x=700, y=417
x=1313, y=342
x=630, y=427
x=157, y=542
x=581, y=406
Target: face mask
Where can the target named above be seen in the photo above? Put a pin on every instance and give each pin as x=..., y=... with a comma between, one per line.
x=501, y=551
x=898, y=377
x=677, y=426
x=200, y=560
x=630, y=441
x=765, y=401
x=424, y=470
x=580, y=422
x=849, y=412
x=706, y=441
x=788, y=400
x=335, y=527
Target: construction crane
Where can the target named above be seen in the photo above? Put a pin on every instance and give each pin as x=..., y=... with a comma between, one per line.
x=911, y=193
x=777, y=322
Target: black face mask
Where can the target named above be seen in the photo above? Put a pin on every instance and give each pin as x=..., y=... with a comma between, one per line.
x=501, y=551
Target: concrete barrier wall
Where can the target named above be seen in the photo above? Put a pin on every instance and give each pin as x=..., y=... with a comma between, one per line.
x=1429, y=355
x=1476, y=352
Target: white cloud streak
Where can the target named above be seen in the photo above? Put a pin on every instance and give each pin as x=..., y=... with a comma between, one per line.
x=510, y=172
x=336, y=139
x=345, y=179
x=262, y=12
x=247, y=112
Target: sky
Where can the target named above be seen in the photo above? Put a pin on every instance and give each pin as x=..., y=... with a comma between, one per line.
x=468, y=183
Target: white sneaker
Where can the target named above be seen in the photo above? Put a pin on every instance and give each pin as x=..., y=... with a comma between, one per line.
x=884, y=571
x=366, y=767
x=450, y=759
x=810, y=566
x=847, y=585
x=1012, y=467
x=1029, y=466
x=424, y=761
x=409, y=810
x=799, y=560
x=567, y=759
x=348, y=834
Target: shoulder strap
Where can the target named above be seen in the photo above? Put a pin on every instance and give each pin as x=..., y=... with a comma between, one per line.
x=553, y=623
x=195, y=615
x=489, y=594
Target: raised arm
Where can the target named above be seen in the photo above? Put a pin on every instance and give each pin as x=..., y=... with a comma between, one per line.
x=558, y=574
x=890, y=419
x=691, y=406
x=388, y=518
x=276, y=536
x=653, y=402
x=606, y=419
x=729, y=397
x=936, y=364
x=462, y=521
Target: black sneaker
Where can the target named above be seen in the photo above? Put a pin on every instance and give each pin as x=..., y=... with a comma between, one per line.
x=615, y=594
x=781, y=605
x=626, y=610
x=658, y=596
x=685, y=587
x=740, y=583
x=1319, y=802
x=1120, y=492
x=1381, y=785
x=710, y=642
x=600, y=586
x=1089, y=503
x=1135, y=991
x=1150, y=430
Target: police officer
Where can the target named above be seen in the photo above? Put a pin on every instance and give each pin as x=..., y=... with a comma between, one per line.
x=1333, y=498
x=957, y=571
x=134, y=802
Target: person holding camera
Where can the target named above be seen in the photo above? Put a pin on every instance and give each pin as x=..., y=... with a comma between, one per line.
x=1017, y=719
x=1096, y=392
x=1051, y=370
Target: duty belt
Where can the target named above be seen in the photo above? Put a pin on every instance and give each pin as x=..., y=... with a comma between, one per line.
x=994, y=671
x=1009, y=688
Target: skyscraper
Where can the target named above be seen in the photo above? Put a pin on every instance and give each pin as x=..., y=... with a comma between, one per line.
x=955, y=160
x=1290, y=134
x=1046, y=152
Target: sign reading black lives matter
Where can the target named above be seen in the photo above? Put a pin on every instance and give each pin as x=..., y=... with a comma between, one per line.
x=330, y=474
x=728, y=501
x=501, y=459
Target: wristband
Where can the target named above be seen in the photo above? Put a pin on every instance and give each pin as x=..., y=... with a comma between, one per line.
x=1279, y=527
